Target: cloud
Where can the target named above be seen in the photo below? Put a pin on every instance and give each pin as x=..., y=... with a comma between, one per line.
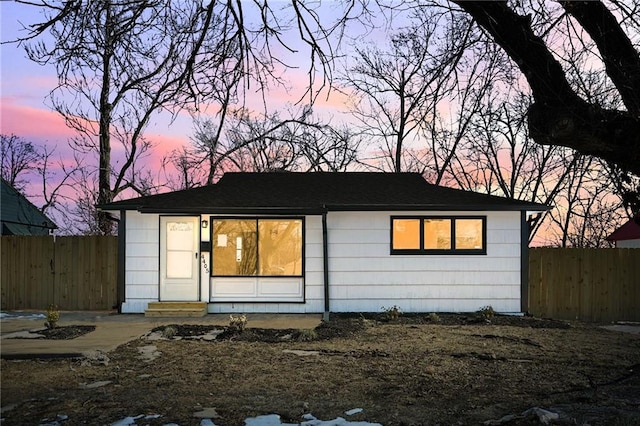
x=30, y=122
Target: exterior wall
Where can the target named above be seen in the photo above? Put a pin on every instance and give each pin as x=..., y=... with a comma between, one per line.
x=628, y=244
x=313, y=286
x=142, y=261
x=364, y=277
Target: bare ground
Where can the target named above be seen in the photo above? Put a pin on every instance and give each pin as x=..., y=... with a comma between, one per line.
x=408, y=371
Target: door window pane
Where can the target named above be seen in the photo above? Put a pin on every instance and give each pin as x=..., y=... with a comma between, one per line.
x=437, y=234
x=234, y=247
x=280, y=247
x=179, y=249
x=406, y=234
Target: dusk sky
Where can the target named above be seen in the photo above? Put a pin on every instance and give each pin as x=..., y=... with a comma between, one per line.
x=24, y=86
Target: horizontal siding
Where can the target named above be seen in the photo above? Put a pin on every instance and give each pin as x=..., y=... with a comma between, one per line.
x=421, y=278
x=310, y=307
x=313, y=301
x=364, y=276
x=426, y=305
x=142, y=261
x=396, y=293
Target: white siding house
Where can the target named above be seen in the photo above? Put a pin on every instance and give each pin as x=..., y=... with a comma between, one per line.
x=324, y=242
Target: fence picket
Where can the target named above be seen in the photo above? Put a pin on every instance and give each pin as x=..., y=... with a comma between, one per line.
x=75, y=273
x=80, y=273
x=600, y=285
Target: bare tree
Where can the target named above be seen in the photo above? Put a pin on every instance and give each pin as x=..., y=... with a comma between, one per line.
x=561, y=114
x=121, y=61
x=327, y=148
x=395, y=89
x=31, y=170
x=588, y=209
x=247, y=141
x=18, y=157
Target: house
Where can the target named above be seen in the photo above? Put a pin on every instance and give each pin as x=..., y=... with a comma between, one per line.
x=18, y=216
x=324, y=242
x=628, y=235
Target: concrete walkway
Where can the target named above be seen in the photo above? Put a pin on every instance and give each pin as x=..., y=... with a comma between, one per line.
x=113, y=330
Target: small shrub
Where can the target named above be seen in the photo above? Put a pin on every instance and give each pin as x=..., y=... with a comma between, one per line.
x=238, y=323
x=433, y=317
x=392, y=313
x=169, y=332
x=486, y=313
x=307, y=335
x=53, y=316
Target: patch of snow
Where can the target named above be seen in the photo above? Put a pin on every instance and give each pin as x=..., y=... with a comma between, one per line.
x=54, y=422
x=131, y=420
x=266, y=420
x=127, y=421
x=310, y=420
x=354, y=411
x=300, y=352
x=543, y=416
x=21, y=315
x=95, y=385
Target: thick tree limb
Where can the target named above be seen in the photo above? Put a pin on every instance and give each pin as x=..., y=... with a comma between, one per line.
x=620, y=58
x=559, y=116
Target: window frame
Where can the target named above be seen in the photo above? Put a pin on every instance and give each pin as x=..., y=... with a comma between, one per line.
x=453, y=250
x=257, y=219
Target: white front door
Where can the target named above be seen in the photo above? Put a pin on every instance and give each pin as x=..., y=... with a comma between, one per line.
x=179, y=258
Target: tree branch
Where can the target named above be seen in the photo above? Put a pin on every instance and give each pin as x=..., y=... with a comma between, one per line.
x=620, y=58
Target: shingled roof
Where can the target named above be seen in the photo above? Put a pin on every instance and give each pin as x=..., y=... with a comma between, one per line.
x=18, y=216
x=288, y=192
x=629, y=231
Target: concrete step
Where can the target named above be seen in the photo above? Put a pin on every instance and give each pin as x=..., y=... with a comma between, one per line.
x=176, y=309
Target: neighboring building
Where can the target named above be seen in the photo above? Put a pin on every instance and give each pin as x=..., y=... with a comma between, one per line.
x=324, y=242
x=19, y=217
x=628, y=235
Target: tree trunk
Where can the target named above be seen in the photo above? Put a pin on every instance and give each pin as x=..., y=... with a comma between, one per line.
x=559, y=116
x=105, y=194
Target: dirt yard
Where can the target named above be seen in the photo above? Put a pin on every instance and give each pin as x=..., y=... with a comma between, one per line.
x=413, y=370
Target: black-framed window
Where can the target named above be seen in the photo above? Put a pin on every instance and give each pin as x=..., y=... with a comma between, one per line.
x=263, y=247
x=438, y=235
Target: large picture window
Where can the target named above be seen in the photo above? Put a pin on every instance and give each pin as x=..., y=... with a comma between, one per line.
x=438, y=235
x=257, y=247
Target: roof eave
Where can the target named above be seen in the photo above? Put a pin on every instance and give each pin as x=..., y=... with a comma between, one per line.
x=435, y=207
x=321, y=209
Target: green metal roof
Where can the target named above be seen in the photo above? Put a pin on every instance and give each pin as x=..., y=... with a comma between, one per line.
x=19, y=216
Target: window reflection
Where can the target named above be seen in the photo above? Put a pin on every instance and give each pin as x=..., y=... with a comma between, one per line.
x=250, y=247
x=437, y=234
x=468, y=234
x=234, y=247
x=280, y=247
x=406, y=234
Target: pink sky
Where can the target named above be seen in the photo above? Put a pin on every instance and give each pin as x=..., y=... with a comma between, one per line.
x=25, y=85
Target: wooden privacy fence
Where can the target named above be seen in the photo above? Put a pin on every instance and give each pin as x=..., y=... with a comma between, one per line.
x=600, y=285
x=80, y=273
x=75, y=273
